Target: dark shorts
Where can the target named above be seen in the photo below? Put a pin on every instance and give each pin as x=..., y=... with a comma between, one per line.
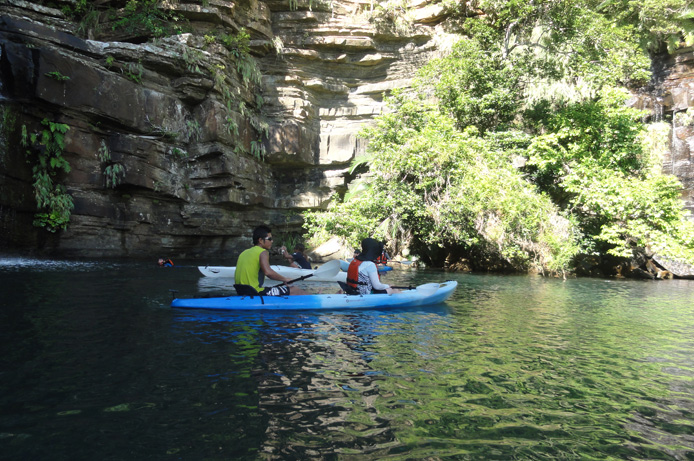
x=279, y=290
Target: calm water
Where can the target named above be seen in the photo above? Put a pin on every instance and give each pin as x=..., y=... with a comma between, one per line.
x=94, y=365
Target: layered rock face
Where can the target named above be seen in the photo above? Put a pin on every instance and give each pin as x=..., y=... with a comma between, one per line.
x=678, y=101
x=172, y=151
x=671, y=99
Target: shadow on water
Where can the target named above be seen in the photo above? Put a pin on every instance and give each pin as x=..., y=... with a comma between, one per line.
x=95, y=364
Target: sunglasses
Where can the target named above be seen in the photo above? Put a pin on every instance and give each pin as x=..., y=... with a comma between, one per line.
x=268, y=238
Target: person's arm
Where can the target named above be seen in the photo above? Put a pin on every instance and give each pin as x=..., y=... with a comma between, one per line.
x=372, y=272
x=267, y=270
x=288, y=256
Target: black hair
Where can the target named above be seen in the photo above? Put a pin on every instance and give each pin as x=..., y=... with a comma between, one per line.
x=370, y=250
x=299, y=247
x=260, y=232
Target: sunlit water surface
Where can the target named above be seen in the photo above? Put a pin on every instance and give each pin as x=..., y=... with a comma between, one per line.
x=94, y=364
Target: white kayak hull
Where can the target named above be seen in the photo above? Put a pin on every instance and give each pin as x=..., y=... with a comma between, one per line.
x=285, y=271
x=423, y=295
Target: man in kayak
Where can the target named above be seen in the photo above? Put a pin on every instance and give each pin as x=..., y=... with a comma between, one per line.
x=296, y=259
x=362, y=274
x=253, y=266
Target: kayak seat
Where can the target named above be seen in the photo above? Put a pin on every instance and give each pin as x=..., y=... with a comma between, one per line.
x=245, y=290
x=348, y=289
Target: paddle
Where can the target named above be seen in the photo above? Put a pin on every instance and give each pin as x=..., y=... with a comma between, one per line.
x=329, y=269
x=427, y=288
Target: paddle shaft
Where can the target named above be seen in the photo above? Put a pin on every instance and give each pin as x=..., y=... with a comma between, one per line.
x=298, y=279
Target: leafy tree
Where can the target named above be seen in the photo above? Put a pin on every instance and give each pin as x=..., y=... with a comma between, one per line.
x=534, y=81
x=445, y=192
x=476, y=86
x=593, y=160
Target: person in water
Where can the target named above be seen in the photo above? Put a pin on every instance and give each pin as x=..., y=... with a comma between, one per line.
x=362, y=274
x=165, y=262
x=253, y=265
x=296, y=259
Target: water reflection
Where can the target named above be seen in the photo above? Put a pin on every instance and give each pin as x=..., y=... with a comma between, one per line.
x=94, y=361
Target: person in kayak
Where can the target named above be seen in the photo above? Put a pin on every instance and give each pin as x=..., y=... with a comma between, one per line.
x=382, y=258
x=165, y=262
x=296, y=259
x=362, y=274
x=253, y=265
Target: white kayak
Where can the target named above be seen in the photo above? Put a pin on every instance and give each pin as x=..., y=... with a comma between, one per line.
x=290, y=272
x=423, y=295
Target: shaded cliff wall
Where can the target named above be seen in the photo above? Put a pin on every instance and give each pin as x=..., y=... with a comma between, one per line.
x=670, y=99
x=182, y=124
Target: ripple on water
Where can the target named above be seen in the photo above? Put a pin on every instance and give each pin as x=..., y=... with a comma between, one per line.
x=510, y=368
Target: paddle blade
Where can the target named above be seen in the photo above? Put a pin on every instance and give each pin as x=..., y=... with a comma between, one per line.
x=329, y=269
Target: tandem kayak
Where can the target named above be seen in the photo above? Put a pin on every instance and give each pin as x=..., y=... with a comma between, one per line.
x=285, y=271
x=423, y=295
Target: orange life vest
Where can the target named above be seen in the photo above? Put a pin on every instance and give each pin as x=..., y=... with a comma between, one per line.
x=382, y=259
x=353, y=273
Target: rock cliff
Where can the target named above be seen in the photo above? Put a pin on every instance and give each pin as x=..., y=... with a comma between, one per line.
x=670, y=98
x=180, y=145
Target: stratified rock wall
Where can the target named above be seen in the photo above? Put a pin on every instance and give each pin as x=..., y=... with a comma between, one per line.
x=671, y=99
x=164, y=134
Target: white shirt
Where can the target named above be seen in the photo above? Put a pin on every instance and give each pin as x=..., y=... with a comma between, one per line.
x=368, y=278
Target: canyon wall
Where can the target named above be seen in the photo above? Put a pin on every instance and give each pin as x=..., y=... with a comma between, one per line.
x=171, y=150
x=672, y=99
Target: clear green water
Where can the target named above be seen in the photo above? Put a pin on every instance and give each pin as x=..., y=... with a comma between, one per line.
x=95, y=365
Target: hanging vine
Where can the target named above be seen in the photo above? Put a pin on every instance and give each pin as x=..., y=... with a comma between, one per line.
x=46, y=149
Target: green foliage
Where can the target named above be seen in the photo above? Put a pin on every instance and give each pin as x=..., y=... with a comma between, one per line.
x=476, y=86
x=288, y=240
x=594, y=161
x=532, y=85
x=194, y=130
x=193, y=59
x=436, y=188
x=393, y=15
x=113, y=172
x=178, y=153
x=133, y=71
x=620, y=212
x=150, y=18
x=57, y=76
x=145, y=16
x=238, y=46
x=46, y=148
x=657, y=22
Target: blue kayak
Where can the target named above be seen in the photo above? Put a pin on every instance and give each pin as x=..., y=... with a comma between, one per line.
x=423, y=295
